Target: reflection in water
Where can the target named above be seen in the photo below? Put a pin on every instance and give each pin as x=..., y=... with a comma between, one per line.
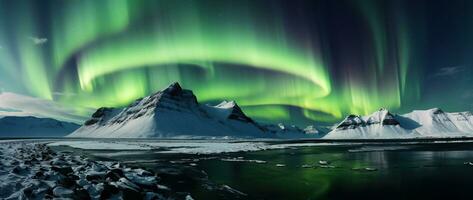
x=417, y=172
x=402, y=172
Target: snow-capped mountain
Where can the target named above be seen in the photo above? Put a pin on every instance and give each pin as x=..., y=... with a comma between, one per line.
x=292, y=131
x=12, y=104
x=29, y=126
x=171, y=113
x=419, y=123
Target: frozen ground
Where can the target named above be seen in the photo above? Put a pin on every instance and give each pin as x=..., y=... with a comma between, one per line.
x=186, y=147
x=129, y=146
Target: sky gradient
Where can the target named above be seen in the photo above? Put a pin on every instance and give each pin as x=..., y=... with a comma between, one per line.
x=282, y=61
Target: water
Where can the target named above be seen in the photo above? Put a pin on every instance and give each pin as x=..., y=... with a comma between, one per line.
x=427, y=171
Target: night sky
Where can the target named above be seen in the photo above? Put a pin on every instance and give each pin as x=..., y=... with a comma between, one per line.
x=282, y=61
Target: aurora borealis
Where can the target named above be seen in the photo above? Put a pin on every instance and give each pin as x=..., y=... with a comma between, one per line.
x=290, y=61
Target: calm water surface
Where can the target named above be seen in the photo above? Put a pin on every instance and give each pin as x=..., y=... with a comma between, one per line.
x=428, y=171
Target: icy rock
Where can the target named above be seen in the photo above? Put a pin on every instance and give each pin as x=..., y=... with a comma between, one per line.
x=81, y=182
x=62, y=170
x=143, y=172
x=323, y=162
x=114, y=174
x=94, y=175
x=152, y=196
x=63, y=192
x=370, y=169
x=124, y=183
x=189, y=197
x=108, y=191
x=80, y=193
x=67, y=182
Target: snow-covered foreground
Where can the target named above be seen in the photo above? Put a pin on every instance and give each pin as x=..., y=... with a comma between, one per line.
x=31, y=170
x=186, y=147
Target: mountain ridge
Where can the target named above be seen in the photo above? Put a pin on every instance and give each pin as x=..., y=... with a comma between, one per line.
x=31, y=126
x=382, y=124
x=175, y=113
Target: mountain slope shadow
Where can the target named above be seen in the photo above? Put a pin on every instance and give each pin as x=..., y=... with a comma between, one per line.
x=407, y=123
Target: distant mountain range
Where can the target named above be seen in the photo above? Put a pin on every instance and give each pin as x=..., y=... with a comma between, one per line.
x=28, y=126
x=419, y=123
x=175, y=113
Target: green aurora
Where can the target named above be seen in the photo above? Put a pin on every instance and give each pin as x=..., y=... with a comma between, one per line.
x=280, y=63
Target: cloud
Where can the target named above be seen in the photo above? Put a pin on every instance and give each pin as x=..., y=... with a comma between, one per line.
x=449, y=71
x=9, y=110
x=38, y=40
x=64, y=94
x=13, y=104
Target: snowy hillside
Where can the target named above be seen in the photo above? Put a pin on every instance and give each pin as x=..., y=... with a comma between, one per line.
x=12, y=104
x=171, y=113
x=27, y=126
x=419, y=123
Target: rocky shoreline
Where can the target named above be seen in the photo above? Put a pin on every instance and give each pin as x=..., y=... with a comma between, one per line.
x=31, y=170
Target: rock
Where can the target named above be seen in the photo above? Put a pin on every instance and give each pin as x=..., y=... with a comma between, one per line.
x=370, y=169
x=62, y=170
x=94, y=176
x=143, y=172
x=126, y=184
x=142, y=181
x=163, y=187
x=108, y=191
x=152, y=196
x=131, y=194
x=82, y=182
x=58, y=161
x=114, y=174
x=189, y=197
x=323, y=162
x=80, y=193
x=60, y=191
x=67, y=182
x=38, y=174
x=20, y=170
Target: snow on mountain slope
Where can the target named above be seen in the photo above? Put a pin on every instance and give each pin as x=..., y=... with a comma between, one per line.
x=12, y=104
x=170, y=113
x=435, y=122
x=380, y=124
x=284, y=131
x=419, y=123
x=28, y=126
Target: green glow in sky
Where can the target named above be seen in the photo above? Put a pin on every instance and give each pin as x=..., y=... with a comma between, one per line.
x=110, y=52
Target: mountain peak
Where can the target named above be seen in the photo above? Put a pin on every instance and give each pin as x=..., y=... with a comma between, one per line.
x=171, y=112
x=227, y=104
x=382, y=117
x=436, y=111
x=173, y=89
x=233, y=111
